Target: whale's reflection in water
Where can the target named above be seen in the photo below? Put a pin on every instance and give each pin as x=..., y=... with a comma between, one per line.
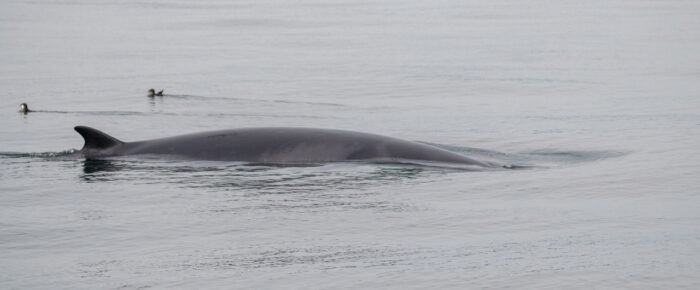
x=243, y=187
x=237, y=176
x=91, y=166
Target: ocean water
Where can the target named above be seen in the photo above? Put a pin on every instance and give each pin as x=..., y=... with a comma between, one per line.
x=598, y=103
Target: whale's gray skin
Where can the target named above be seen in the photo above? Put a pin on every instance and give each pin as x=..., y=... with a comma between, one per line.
x=273, y=145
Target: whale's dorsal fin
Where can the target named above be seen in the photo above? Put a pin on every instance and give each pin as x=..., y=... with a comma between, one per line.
x=96, y=139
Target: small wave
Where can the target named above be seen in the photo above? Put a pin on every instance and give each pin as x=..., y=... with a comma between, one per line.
x=407, y=163
x=209, y=114
x=237, y=99
x=220, y=115
x=309, y=103
x=493, y=158
x=65, y=153
x=571, y=156
x=470, y=151
x=98, y=113
x=114, y=113
x=531, y=159
x=49, y=111
x=191, y=97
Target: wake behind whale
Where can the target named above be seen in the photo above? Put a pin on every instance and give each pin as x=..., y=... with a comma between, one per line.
x=275, y=145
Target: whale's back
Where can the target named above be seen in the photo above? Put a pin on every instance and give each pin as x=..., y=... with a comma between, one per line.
x=281, y=145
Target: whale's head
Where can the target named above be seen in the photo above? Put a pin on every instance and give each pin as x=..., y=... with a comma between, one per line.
x=24, y=108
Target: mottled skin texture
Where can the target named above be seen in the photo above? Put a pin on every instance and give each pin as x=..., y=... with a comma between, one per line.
x=273, y=145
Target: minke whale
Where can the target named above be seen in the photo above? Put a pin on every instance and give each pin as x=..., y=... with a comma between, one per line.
x=274, y=145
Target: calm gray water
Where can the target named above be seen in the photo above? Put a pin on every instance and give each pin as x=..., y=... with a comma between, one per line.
x=599, y=100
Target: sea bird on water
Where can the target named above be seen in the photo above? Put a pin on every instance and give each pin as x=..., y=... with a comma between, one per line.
x=23, y=108
x=152, y=93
